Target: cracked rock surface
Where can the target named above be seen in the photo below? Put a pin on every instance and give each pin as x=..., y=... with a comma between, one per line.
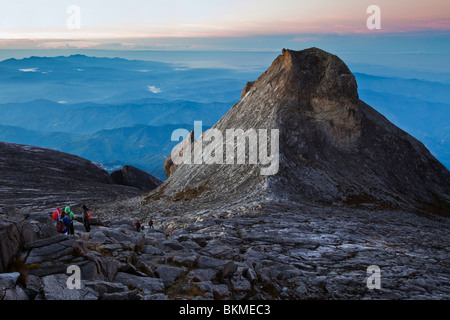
x=269, y=253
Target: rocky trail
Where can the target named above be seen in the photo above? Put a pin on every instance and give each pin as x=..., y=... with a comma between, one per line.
x=270, y=253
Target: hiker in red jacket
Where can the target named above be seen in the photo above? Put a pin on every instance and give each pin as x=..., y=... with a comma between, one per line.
x=56, y=214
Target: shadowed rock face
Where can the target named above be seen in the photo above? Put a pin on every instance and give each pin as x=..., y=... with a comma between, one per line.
x=38, y=178
x=134, y=177
x=169, y=166
x=334, y=148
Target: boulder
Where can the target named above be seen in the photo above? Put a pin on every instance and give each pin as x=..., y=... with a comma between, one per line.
x=204, y=262
x=99, y=268
x=9, y=279
x=54, y=287
x=9, y=290
x=156, y=296
x=147, y=285
x=32, y=286
x=183, y=258
x=52, y=251
x=240, y=283
x=151, y=250
x=169, y=274
x=15, y=233
x=112, y=291
x=198, y=275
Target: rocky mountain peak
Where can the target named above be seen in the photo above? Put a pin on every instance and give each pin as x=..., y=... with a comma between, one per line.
x=311, y=72
x=333, y=148
x=320, y=73
x=316, y=84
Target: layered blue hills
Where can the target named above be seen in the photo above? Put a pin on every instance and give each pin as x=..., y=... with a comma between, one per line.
x=78, y=78
x=116, y=111
x=419, y=107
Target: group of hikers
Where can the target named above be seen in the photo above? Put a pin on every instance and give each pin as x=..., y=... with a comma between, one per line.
x=64, y=220
x=139, y=226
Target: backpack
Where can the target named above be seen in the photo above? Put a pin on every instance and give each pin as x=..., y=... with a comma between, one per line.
x=60, y=226
x=88, y=215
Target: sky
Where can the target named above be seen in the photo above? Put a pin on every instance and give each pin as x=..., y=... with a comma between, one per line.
x=205, y=24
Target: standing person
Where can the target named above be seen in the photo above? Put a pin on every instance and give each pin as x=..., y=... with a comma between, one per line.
x=56, y=215
x=86, y=217
x=71, y=218
x=150, y=224
x=63, y=223
x=138, y=226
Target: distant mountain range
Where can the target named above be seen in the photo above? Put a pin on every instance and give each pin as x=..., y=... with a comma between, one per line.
x=117, y=111
x=87, y=118
x=419, y=107
x=79, y=78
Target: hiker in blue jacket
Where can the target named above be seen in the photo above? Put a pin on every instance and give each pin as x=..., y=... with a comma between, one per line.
x=63, y=223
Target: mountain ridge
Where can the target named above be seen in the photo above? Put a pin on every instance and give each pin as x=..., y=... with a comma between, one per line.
x=39, y=179
x=141, y=146
x=334, y=148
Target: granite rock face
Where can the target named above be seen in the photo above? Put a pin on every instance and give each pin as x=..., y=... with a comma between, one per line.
x=333, y=148
x=136, y=178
